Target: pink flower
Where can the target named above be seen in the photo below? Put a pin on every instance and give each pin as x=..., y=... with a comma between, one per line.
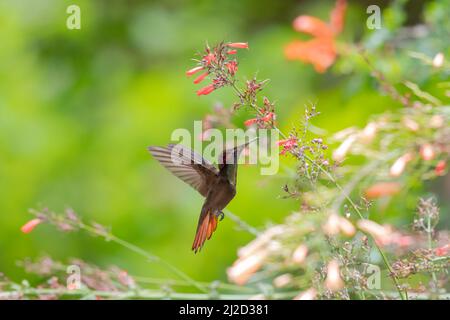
x=440, y=168
x=193, y=71
x=30, y=225
x=334, y=281
x=399, y=165
x=381, y=234
x=238, y=45
x=299, y=255
x=200, y=78
x=336, y=224
x=232, y=52
x=427, y=152
x=243, y=268
x=206, y=90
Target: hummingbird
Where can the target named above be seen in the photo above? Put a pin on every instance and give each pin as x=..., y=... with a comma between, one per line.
x=217, y=185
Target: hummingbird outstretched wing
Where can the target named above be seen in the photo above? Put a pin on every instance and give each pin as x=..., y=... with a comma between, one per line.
x=187, y=165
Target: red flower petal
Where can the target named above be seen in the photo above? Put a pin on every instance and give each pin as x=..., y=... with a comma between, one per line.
x=337, y=16
x=313, y=26
x=238, y=45
x=320, y=52
x=206, y=90
x=200, y=78
x=232, y=52
x=193, y=71
x=269, y=116
x=442, y=251
x=209, y=58
x=249, y=122
x=232, y=67
x=30, y=225
x=440, y=168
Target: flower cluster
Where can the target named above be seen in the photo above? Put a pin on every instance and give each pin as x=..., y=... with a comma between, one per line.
x=218, y=63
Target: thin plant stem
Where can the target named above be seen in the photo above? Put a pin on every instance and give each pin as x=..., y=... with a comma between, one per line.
x=149, y=256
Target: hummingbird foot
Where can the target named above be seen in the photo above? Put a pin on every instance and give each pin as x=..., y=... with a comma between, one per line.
x=220, y=215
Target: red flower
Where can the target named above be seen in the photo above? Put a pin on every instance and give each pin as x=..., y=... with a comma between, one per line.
x=319, y=51
x=200, y=78
x=30, y=225
x=232, y=52
x=337, y=16
x=442, y=251
x=440, y=168
x=249, y=122
x=193, y=71
x=287, y=144
x=206, y=90
x=232, y=67
x=209, y=58
x=238, y=45
x=266, y=118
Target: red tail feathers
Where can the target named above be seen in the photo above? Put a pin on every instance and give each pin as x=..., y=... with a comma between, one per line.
x=206, y=226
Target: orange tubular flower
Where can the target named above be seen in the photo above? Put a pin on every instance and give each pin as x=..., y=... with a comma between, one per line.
x=200, y=78
x=193, y=71
x=319, y=51
x=30, y=225
x=250, y=122
x=206, y=90
x=232, y=52
x=382, y=189
x=238, y=45
x=267, y=118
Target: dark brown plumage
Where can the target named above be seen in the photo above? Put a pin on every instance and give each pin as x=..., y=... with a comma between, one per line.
x=217, y=185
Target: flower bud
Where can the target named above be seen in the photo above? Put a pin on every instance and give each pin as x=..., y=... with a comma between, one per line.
x=438, y=60
x=309, y=294
x=399, y=165
x=30, y=225
x=333, y=281
x=427, y=152
x=340, y=153
x=299, y=255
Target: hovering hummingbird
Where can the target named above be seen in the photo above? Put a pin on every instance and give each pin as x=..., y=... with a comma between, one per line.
x=217, y=185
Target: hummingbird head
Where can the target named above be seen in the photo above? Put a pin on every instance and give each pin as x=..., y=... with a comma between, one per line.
x=231, y=156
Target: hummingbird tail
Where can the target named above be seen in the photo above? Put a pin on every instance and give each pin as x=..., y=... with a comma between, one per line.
x=207, y=224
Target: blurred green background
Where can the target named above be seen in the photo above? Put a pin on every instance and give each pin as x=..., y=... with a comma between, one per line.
x=79, y=107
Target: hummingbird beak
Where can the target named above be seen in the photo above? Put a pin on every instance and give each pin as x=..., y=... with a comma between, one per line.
x=240, y=148
x=254, y=139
